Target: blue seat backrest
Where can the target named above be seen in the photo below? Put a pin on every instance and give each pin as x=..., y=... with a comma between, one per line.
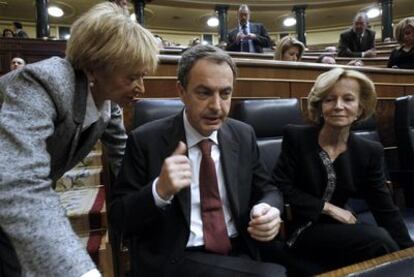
x=147, y=110
x=368, y=130
x=404, y=130
x=268, y=117
x=404, y=134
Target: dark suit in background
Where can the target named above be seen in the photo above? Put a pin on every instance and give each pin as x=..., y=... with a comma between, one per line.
x=262, y=38
x=20, y=33
x=351, y=46
x=302, y=177
x=401, y=59
x=163, y=233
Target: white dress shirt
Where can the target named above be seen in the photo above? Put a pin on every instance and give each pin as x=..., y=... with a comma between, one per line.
x=196, y=237
x=92, y=114
x=251, y=46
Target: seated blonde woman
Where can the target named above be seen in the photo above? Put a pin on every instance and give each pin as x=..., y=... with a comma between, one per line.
x=322, y=165
x=289, y=49
x=403, y=56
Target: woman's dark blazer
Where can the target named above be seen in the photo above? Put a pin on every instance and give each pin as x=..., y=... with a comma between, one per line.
x=302, y=177
x=401, y=59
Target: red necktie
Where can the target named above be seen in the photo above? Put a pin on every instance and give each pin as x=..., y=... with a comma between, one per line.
x=214, y=227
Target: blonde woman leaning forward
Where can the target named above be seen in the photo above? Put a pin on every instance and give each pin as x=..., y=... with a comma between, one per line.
x=289, y=49
x=322, y=166
x=51, y=115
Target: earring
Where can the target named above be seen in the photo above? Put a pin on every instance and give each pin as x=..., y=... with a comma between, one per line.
x=91, y=84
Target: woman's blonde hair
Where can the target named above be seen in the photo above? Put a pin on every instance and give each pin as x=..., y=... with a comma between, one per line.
x=399, y=28
x=106, y=38
x=285, y=43
x=326, y=81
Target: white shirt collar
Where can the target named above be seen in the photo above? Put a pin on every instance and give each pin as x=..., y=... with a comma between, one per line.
x=193, y=137
x=247, y=26
x=92, y=114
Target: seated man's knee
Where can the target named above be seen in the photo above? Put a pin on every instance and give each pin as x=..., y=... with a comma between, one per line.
x=385, y=241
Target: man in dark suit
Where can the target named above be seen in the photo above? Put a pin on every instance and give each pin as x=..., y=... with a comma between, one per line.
x=196, y=211
x=357, y=41
x=248, y=36
x=18, y=30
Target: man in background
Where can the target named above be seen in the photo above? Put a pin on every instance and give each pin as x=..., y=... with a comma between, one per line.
x=18, y=30
x=17, y=63
x=248, y=36
x=358, y=41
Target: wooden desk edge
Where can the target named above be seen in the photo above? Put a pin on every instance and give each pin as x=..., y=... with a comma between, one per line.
x=370, y=264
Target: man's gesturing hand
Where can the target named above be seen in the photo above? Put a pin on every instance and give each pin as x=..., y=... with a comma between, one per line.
x=265, y=222
x=175, y=173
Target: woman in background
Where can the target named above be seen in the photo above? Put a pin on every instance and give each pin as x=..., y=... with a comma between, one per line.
x=322, y=166
x=8, y=33
x=289, y=49
x=403, y=56
x=51, y=115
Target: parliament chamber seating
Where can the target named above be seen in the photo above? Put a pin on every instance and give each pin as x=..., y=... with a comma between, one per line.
x=368, y=130
x=268, y=117
x=404, y=132
x=147, y=110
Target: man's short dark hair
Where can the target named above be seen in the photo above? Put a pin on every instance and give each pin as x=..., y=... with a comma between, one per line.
x=198, y=52
x=18, y=25
x=362, y=15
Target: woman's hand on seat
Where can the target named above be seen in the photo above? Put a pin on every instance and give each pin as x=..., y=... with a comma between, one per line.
x=339, y=214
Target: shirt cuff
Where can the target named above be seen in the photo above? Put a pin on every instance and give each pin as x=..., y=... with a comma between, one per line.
x=92, y=273
x=159, y=202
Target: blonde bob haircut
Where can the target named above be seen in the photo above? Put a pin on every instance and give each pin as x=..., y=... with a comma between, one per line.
x=285, y=43
x=326, y=81
x=400, y=27
x=106, y=38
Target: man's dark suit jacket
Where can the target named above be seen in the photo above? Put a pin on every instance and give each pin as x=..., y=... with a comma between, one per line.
x=350, y=46
x=163, y=233
x=302, y=177
x=262, y=38
x=21, y=34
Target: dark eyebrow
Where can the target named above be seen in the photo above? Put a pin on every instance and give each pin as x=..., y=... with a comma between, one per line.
x=202, y=87
x=227, y=88
x=210, y=89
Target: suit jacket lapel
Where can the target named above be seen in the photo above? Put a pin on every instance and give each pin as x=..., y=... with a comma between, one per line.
x=79, y=109
x=229, y=156
x=174, y=134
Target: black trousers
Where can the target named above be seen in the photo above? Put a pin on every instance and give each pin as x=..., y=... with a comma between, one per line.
x=337, y=245
x=9, y=264
x=197, y=262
